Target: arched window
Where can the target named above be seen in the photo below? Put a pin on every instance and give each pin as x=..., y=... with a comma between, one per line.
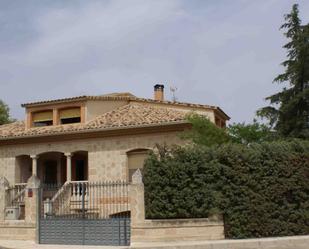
x=136, y=159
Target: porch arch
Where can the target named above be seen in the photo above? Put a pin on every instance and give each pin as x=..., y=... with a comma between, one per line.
x=51, y=167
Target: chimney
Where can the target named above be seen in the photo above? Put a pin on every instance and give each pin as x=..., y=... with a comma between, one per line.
x=159, y=92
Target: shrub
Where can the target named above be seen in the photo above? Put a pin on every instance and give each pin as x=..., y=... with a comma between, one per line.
x=262, y=189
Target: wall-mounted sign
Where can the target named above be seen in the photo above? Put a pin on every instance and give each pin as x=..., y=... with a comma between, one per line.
x=30, y=192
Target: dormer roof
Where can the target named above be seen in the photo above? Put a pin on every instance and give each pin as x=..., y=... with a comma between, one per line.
x=127, y=97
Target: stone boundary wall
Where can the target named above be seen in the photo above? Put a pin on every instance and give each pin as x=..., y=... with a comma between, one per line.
x=17, y=230
x=177, y=230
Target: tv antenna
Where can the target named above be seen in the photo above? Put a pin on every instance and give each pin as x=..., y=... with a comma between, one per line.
x=173, y=89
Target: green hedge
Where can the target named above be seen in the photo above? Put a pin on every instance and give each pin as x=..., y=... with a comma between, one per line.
x=262, y=189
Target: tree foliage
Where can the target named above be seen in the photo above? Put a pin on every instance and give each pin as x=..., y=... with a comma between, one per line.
x=250, y=133
x=204, y=132
x=288, y=112
x=262, y=189
x=4, y=113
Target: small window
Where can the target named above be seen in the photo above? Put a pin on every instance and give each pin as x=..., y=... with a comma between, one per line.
x=44, y=118
x=69, y=116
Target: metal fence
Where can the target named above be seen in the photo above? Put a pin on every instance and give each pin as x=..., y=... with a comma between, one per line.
x=88, y=200
x=85, y=213
x=15, y=202
x=15, y=195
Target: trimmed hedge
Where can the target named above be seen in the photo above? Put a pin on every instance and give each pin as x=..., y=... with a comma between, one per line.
x=262, y=189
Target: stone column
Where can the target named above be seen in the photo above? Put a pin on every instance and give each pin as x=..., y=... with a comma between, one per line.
x=137, y=202
x=69, y=166
x=4, y=184
x=32, y=199
x=34, y=165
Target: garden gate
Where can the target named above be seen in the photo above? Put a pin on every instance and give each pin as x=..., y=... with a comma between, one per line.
x=85, y=213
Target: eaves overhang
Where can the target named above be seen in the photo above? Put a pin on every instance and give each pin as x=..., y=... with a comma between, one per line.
x=96, y=133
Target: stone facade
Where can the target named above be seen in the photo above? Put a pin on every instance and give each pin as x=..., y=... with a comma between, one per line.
x=107, y=157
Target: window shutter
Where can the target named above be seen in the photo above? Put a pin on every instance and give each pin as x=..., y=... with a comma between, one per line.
x=136, y=161
x=42, y=116
x=69, y=113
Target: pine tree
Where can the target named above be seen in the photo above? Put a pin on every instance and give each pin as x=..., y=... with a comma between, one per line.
x=288, y=112
x=4, y=113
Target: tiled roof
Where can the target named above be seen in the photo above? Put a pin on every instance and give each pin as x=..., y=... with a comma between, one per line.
x=131, y=115
x=136, y=115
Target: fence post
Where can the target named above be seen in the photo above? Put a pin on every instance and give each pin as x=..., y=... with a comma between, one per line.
x=4, y=184
x=137, y=202
x=48, y=208
x=32, y=207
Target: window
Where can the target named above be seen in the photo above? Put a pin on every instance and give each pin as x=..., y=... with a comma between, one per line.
x=44, y=118
x=70, y=116
x=136, y=161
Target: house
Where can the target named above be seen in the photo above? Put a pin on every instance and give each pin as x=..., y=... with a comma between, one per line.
x=88, y=139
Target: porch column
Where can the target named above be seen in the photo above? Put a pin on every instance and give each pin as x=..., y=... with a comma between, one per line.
x=69, y=166
x=34, y=165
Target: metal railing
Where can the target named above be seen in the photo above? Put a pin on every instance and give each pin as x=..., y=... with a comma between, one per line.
x=15, y=195
x=50, y=189
x=90, y=200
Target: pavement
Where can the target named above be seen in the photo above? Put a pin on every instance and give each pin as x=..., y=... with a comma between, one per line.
x=293, y=242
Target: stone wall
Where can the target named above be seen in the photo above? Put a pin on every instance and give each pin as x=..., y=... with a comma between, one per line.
x=107, y=157
x=17, y=230
x=177, y=230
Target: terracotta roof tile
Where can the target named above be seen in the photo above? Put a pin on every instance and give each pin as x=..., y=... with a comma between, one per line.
x=131, y=115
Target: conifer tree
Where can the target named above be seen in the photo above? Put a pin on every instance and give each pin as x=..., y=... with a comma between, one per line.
x=4, y=113
x=288, y=112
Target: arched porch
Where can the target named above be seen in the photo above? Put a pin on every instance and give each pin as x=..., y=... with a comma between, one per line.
x=53, y=167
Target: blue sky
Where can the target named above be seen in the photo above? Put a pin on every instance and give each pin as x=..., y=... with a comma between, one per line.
x=223, y=53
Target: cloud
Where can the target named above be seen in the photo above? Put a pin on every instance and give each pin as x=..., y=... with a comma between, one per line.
x=224, y=53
